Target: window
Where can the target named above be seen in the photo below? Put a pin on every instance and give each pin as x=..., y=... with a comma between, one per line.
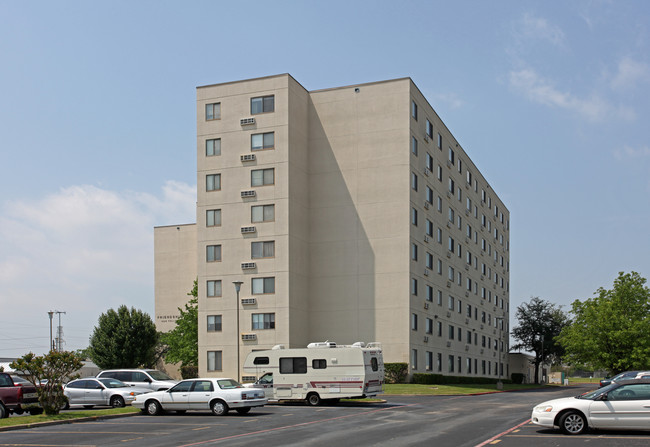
x=451, y=215
x=439, y=141
x=414, y=358
x=429, y=365
x=414, y=146
x=451, y=363
x=319, y=364
x=213, y=147
x=439, y=172
x=429, y=129
x=452, y=156
x=213, y=253
x=439, y=331
x=214, y=323
x=429, y=162
x=414, y=110
x=429, y=262
x=429, y=326
x=374, y=364
x=451, y=244
x=451, y=185
x=264, y=249
x=262, y=177
x=293, y=365
x=439, y=362
x=451, y=274
x=414, y=286
x=213, y=218
x=213, y=182
x=414, y=216
x=214, y=360
x=213, y=288
x=262, y=213
x=429, y=227
x=429, y=294
x=263, y=321
x=451, y=303
x=263, y=285
x=262, y=104
x=414, y=252
x=260, y=141
x=414, y=322
x=414, y=181
x=213, y=111
x=430, y=195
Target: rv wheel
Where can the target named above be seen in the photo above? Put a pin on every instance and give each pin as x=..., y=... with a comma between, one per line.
x=313, y=399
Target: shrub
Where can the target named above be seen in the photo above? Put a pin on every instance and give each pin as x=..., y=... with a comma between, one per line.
x=189, y=372
x=396, y=372
x=439, y=379
x=517, y=377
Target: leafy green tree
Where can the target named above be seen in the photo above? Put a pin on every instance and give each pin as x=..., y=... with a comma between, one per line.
x=55, y=369
x=183, y=341
x=540, y=322
x=612, y=330
x=123, y=339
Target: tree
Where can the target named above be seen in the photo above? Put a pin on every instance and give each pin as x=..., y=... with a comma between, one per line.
x=55, y=369
x=612, y=330
x=540, y=322
x=183, y=341
x=123, y=339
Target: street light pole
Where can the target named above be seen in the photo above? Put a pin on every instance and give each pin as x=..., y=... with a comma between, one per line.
x=237, y=289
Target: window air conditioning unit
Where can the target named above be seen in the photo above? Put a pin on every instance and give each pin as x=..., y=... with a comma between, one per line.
x=467, y=212
x=449, y=344
x=426, y=137
x=481, y=351
x=448, y=164
x=426, y=339
x=426, y=272
x=247, y=157
x=245, y=230
x=466, y=347
x=466, y=267
x=466, y=294
x=426, y=238
x=248, y=301
x=250, y=193
x=448, y=314
x=448, y=284
x=426, y=205
x=426, y=305
x=449, y=254
x=246, y=337
x=427, y=172
x=248, y=265
x=247, y=121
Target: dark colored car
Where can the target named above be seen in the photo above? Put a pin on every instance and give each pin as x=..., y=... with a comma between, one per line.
x=620, y=376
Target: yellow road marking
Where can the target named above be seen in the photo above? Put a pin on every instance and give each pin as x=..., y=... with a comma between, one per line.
x=201, y=428
x=133, y=439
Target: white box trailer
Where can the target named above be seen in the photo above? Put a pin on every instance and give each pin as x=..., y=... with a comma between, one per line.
x=320, y=372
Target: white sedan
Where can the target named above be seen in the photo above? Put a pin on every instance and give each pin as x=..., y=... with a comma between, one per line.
x=218, y=395
x=91, y=391
x=623, y=405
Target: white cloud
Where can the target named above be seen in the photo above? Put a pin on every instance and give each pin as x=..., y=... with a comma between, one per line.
x=84, y=250
x=542, y=91
x=537, y=28
x=629, y=73
x=630, y=153
x=451, y=99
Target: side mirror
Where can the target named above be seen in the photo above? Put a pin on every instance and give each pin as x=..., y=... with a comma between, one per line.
x=147, y=380
x=602, y=397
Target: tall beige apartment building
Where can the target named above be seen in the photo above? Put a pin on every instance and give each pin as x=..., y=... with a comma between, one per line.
x=347, y=214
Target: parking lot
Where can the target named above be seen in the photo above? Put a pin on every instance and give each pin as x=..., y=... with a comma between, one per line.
x=490, y=419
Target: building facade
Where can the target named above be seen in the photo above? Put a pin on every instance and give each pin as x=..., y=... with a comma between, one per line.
x=347, y=214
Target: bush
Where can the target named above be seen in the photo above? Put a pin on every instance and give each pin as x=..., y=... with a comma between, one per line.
x=439, y=379
x=189, y=372
x=396, y=372
x=517, y=377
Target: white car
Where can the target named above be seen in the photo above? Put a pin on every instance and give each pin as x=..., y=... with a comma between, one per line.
x=144, y=378
x=218, y=395
x=623, y=405
x=92, y=391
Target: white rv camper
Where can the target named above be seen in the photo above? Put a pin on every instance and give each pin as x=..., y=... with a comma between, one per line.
x=322, y=371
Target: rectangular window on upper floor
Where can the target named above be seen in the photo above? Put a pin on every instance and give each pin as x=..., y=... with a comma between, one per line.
x=262, y=213
x=261, y=286
x=213, y=111
x=213, y=182
x=262, y=177
x=265, y=249
x=262, y=141
x=213, y=218
x=263, y=321
x=414, y=110
x=213, y=288
x=414, y=146
x=214, y=323
x=213, y=147
x=262, y=104
x=213, y=253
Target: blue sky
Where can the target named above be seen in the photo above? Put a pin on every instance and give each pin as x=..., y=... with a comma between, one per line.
x=97, y=130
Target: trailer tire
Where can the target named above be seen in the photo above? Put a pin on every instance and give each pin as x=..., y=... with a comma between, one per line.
x=313, y=399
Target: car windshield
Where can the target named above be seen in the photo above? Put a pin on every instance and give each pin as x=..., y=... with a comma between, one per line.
x=157, y=375
x=591, y=395
x=227, y=384
x=113, y=383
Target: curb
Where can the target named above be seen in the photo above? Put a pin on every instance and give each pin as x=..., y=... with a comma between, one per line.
x=66, y=421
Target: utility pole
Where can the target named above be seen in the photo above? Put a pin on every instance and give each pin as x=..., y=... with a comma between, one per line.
x=59, y=333
x=51, y=314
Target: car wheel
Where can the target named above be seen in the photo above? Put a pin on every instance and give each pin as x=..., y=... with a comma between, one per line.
x=117, y=402
x=313, y=399
x=219, y=408
x=4, y=413
x=88, y=406
x=153, y=408
x=244, y=410
x=573, y=423
x=66, y=404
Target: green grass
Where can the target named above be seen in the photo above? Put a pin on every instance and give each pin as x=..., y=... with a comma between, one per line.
x=67, y=416
x=574, y=380
x=411, y=388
